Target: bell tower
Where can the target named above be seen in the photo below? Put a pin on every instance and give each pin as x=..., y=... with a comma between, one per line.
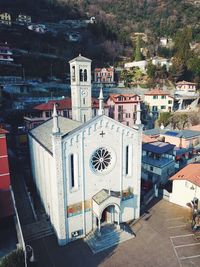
x=80, y=75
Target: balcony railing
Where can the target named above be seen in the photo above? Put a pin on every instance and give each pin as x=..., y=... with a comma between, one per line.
x=159, y=163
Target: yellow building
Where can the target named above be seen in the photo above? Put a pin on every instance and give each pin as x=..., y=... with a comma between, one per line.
x=158, y=101
x=5, y=18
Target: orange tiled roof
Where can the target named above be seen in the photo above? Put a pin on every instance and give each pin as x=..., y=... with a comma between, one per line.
x=63, y=104
x=147, y=139
x=115, y=96
x=190, y=173
x=184, y=82
x=157, y=91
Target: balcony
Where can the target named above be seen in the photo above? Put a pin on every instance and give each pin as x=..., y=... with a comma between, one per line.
x=159, y=163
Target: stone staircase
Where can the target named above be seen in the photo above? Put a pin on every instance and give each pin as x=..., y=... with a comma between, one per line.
x=37, y=230
x=110, y=236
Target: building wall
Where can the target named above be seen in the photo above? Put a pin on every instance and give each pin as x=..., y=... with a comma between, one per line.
x=159, y=102
x=158, y=175
x=185, y=89
x=181, y=142
x=4, y=176
x=104, y=75
x=188, y=192
x=128, y=114
x=89, y=183
x=4, y=166
x=44, y=175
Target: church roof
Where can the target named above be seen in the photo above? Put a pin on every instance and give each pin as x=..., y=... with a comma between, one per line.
x=43, y=132
x=80, y=58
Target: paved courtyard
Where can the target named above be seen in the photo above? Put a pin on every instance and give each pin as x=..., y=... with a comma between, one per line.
x=163, y=238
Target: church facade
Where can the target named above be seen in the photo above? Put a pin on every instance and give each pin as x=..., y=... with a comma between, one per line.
x=87, y=170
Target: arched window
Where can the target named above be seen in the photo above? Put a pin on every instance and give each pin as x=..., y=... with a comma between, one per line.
x=72, y=170
x=85, y=75
x=81, y=75
x=127, y=159
x=73, y=74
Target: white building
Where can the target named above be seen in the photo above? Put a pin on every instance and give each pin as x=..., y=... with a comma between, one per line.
x=160, y=61
x=142, y=64
x=86, y=170
x=158, y=101
x=186, y=185
x=184, y=88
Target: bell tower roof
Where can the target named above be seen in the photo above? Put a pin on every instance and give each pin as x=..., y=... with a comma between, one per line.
x=80, y=58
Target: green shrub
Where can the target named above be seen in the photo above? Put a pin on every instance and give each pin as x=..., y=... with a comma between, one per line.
x=14, y=259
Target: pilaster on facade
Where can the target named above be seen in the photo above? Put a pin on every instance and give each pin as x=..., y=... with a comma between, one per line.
x=58, y=190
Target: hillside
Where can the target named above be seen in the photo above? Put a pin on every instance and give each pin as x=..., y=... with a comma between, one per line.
x=106, y=41
x=160, y=17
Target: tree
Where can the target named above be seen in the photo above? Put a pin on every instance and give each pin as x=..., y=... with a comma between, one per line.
x=127, y=76
x=164, y=118
x=179, y=120
x=182, y=44
x=138, y=54
x=151, y=70
x=193, y=64
x=16, y=258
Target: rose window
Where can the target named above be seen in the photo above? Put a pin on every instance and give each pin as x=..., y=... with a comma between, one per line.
x=101, y=160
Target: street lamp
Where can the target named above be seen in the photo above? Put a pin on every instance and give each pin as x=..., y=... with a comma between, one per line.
x=29, y=254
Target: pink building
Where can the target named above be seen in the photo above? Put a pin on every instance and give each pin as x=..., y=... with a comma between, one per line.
x=104, y=75
x=123, y=107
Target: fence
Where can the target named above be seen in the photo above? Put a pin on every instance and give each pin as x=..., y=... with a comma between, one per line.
x=18, y=227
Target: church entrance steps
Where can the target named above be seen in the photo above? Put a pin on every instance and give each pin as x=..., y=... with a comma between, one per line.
x=37, y=230
x=110, y=236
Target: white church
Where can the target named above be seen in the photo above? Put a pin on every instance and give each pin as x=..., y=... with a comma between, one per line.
x=87, y=170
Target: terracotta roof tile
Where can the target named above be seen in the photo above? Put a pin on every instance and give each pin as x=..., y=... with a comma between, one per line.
x=147, y=139
x=190, y=173
x=115, y=96
x=63, y=104
x=157, y=91
x=184, y=82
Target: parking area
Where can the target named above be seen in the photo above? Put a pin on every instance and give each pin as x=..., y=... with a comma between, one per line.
x=163, y=238
x=186, y=246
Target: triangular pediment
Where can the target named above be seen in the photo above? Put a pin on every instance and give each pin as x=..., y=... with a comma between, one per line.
x=101, y=121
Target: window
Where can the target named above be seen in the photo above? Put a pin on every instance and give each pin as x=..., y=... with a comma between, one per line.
x=81, y=75
x=127, y=158
x=72, y=170
x=151, y=168
x=126, y=115
x=127, y=123
x=84, y=101
x=84, y=118
x=73, y=73
x=47, y=114
x=101, y=160
x=154, y=108
x=163, y=96
x=85, y=75
x=155, y=97
x=163, y=107
x=169, y=101
x=66, y=113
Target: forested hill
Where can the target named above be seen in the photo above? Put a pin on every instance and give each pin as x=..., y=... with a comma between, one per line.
x=161, y=17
